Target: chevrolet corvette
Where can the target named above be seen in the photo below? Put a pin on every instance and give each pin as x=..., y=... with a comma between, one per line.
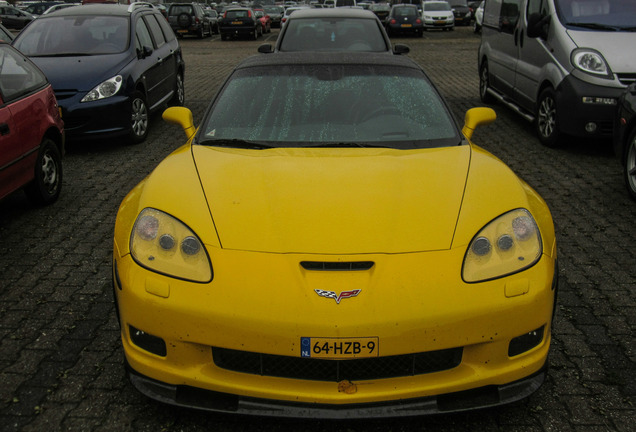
x=321, y=254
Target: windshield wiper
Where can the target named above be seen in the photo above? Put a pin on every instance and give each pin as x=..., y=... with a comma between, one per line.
x=595, y=26
x=63, y=55
x=348, y=145
x=235, y=143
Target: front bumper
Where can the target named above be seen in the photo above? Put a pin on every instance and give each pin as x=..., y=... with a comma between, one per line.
x=192, y=397
x=577, y=115
x=265, y=312
x=438, y=23
x=99, y=119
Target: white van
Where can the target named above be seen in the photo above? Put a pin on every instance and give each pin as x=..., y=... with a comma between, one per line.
x=559, y=63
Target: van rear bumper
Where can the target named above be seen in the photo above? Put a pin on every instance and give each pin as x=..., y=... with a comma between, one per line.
x=578, y=116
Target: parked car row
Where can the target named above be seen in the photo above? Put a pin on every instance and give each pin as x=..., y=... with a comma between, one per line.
x=103, y=69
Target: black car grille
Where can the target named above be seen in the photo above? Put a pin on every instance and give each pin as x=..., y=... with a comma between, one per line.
x=337, y=370
x=626, y=78
x=337, y=266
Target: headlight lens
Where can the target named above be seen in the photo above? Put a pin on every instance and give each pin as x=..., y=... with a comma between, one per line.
x=108, y=88
x=509, y=244
x=161, y=243
x=591, y=62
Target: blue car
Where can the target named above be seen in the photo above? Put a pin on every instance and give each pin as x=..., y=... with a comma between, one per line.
x=110, y=66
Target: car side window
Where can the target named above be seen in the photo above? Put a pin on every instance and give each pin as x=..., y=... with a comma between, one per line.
x=143, y=35
x=168, y=33
x=510, y=12
x=155, y=29
x=18, y=77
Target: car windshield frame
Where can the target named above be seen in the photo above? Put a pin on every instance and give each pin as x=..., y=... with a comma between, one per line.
x=328, y=105
x=75, y=35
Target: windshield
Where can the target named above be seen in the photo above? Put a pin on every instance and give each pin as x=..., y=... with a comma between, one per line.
x=79, y=35
x=436, y=6
x=601, y=15
x=333, y=34
x=327, y=105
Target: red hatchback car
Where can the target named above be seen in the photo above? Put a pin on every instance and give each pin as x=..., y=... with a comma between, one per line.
x=31, y=130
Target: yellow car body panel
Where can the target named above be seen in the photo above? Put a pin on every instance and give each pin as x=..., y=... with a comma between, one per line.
x=334, y=201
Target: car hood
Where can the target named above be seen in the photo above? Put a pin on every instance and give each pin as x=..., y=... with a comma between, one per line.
x=334, y=201
x=607, y=44
x=80, y=73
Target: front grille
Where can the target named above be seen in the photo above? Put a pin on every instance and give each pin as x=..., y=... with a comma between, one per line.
x=626, y=78
x=337, y=370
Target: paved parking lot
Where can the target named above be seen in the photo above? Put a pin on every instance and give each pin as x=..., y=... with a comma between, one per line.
x=61, y=364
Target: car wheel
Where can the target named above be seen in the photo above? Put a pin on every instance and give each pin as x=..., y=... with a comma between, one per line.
x=546, y=121
x=476, y=27
x=178, y=99
x=630, y=164
x=138, y=118
x=201, y=33
x=47, y=184
x=484, y=79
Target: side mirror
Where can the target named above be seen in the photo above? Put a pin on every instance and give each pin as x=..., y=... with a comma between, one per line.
x=401, y=49
x=538, y=26
x=180, y=116
x=265, y=49
x=477, y=117
x=146, y=51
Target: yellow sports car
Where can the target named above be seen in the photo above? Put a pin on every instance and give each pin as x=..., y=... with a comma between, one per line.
x=339, y=249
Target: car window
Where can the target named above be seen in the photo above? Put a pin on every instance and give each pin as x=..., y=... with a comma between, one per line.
x=435, y=6
x=74, y=35
x=405, y=12
x=333, y=34
x=168, y=33
x=143, y=35
x=179, y=9
x=308, y=105
x=155, y=29
x=18, y=77
x=237, y=14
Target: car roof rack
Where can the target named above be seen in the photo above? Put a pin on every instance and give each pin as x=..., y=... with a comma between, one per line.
x=137, y=5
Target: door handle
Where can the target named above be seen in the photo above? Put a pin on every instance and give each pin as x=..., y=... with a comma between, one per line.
x=4, y=129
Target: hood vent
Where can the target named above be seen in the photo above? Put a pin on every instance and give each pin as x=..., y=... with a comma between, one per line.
x=337, y=266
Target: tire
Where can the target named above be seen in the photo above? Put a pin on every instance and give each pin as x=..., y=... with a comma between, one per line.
x=139, y=118
x=629, y=167
x=178, y=99
x=476, y=27
x=484, y=79
x=546, y=122
x=47, y=183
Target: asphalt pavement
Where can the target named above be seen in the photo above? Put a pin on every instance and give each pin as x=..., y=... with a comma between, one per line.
x=61, y=362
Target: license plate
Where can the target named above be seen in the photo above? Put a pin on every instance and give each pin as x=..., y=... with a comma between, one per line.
x=237, y=22
x=439, y=22
x=407, y=25
x=339, y=348
x=182, y=31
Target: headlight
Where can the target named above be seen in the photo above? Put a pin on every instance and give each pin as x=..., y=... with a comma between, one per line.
x=105, y=90
x=163, y=244
x=509, y=244
x=591, y=62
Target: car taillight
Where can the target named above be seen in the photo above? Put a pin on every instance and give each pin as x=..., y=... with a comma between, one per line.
x=283, y=19
x=225, y=14
x=196, y=20
x=393, y=21
x=418, y=21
